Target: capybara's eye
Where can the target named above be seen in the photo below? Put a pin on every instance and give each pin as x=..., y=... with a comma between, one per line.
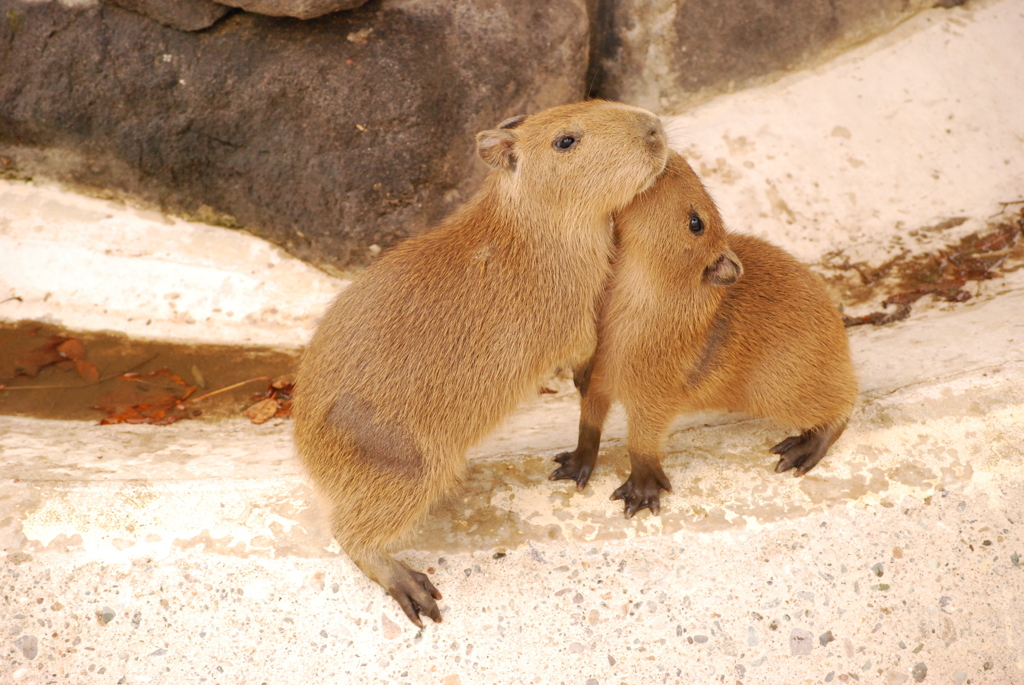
x=696, y=224
x=564, y=143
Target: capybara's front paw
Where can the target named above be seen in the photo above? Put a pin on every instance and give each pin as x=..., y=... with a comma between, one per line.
x=576, y=465
x=415, y=594
x=642, y=490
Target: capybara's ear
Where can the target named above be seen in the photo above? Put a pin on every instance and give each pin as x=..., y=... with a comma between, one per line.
x=497, y=148
x=726, y=270
x=512, y=122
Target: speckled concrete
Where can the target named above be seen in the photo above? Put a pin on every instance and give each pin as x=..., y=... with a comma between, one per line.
x=198, y=553
x=206, y=547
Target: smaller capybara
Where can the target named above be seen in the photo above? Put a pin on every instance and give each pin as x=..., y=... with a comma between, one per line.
x=699, y=319
x=449, y=331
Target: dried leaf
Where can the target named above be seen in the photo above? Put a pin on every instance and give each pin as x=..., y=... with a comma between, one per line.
x=285, y=383
x=72, y=349
x=942, y=275
x=41, y=356
x=87, y=370
x=31, y=352
x=274, y=402
x=280, y=389
x=284, y=411
x=262, y=411
x=155, y=398
x=284, y=387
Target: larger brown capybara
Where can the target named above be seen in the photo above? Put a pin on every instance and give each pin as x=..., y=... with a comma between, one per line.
x=449, y=331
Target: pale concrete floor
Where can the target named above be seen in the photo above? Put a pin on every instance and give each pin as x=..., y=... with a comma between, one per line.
x=197, y=553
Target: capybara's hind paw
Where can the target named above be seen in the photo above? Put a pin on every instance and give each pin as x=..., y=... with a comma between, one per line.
x=574, y=466
x=642, y=490
x=415, y=594
x=801, y=451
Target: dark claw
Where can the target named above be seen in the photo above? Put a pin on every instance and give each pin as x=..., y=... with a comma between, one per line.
x=642, y=490
x=786, y=444
x=783, y=466
x=801, y=451
x=574, y=467
x=416, y=594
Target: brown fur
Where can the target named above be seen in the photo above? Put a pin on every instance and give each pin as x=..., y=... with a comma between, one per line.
x=716, y=321
x=449, y=331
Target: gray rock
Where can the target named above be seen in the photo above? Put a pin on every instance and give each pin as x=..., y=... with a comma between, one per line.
x=666, y=55
x=919, y=672
x=327, y=136
x=300, y=9
x=29, y=646
x=801, y=642
x=187, y=15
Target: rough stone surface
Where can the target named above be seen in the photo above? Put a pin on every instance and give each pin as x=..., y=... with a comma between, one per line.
x=666, y=54
x=300, y=9
x=29, y=646
x=326, y=136
x=187, y=15
x=800, y=642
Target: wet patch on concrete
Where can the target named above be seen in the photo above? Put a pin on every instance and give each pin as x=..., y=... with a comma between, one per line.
x=57, y=391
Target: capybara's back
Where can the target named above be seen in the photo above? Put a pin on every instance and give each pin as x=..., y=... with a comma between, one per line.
x=785, y=355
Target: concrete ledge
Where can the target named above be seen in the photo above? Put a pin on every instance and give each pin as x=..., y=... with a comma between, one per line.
x=902, y=548
x=92, y=264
